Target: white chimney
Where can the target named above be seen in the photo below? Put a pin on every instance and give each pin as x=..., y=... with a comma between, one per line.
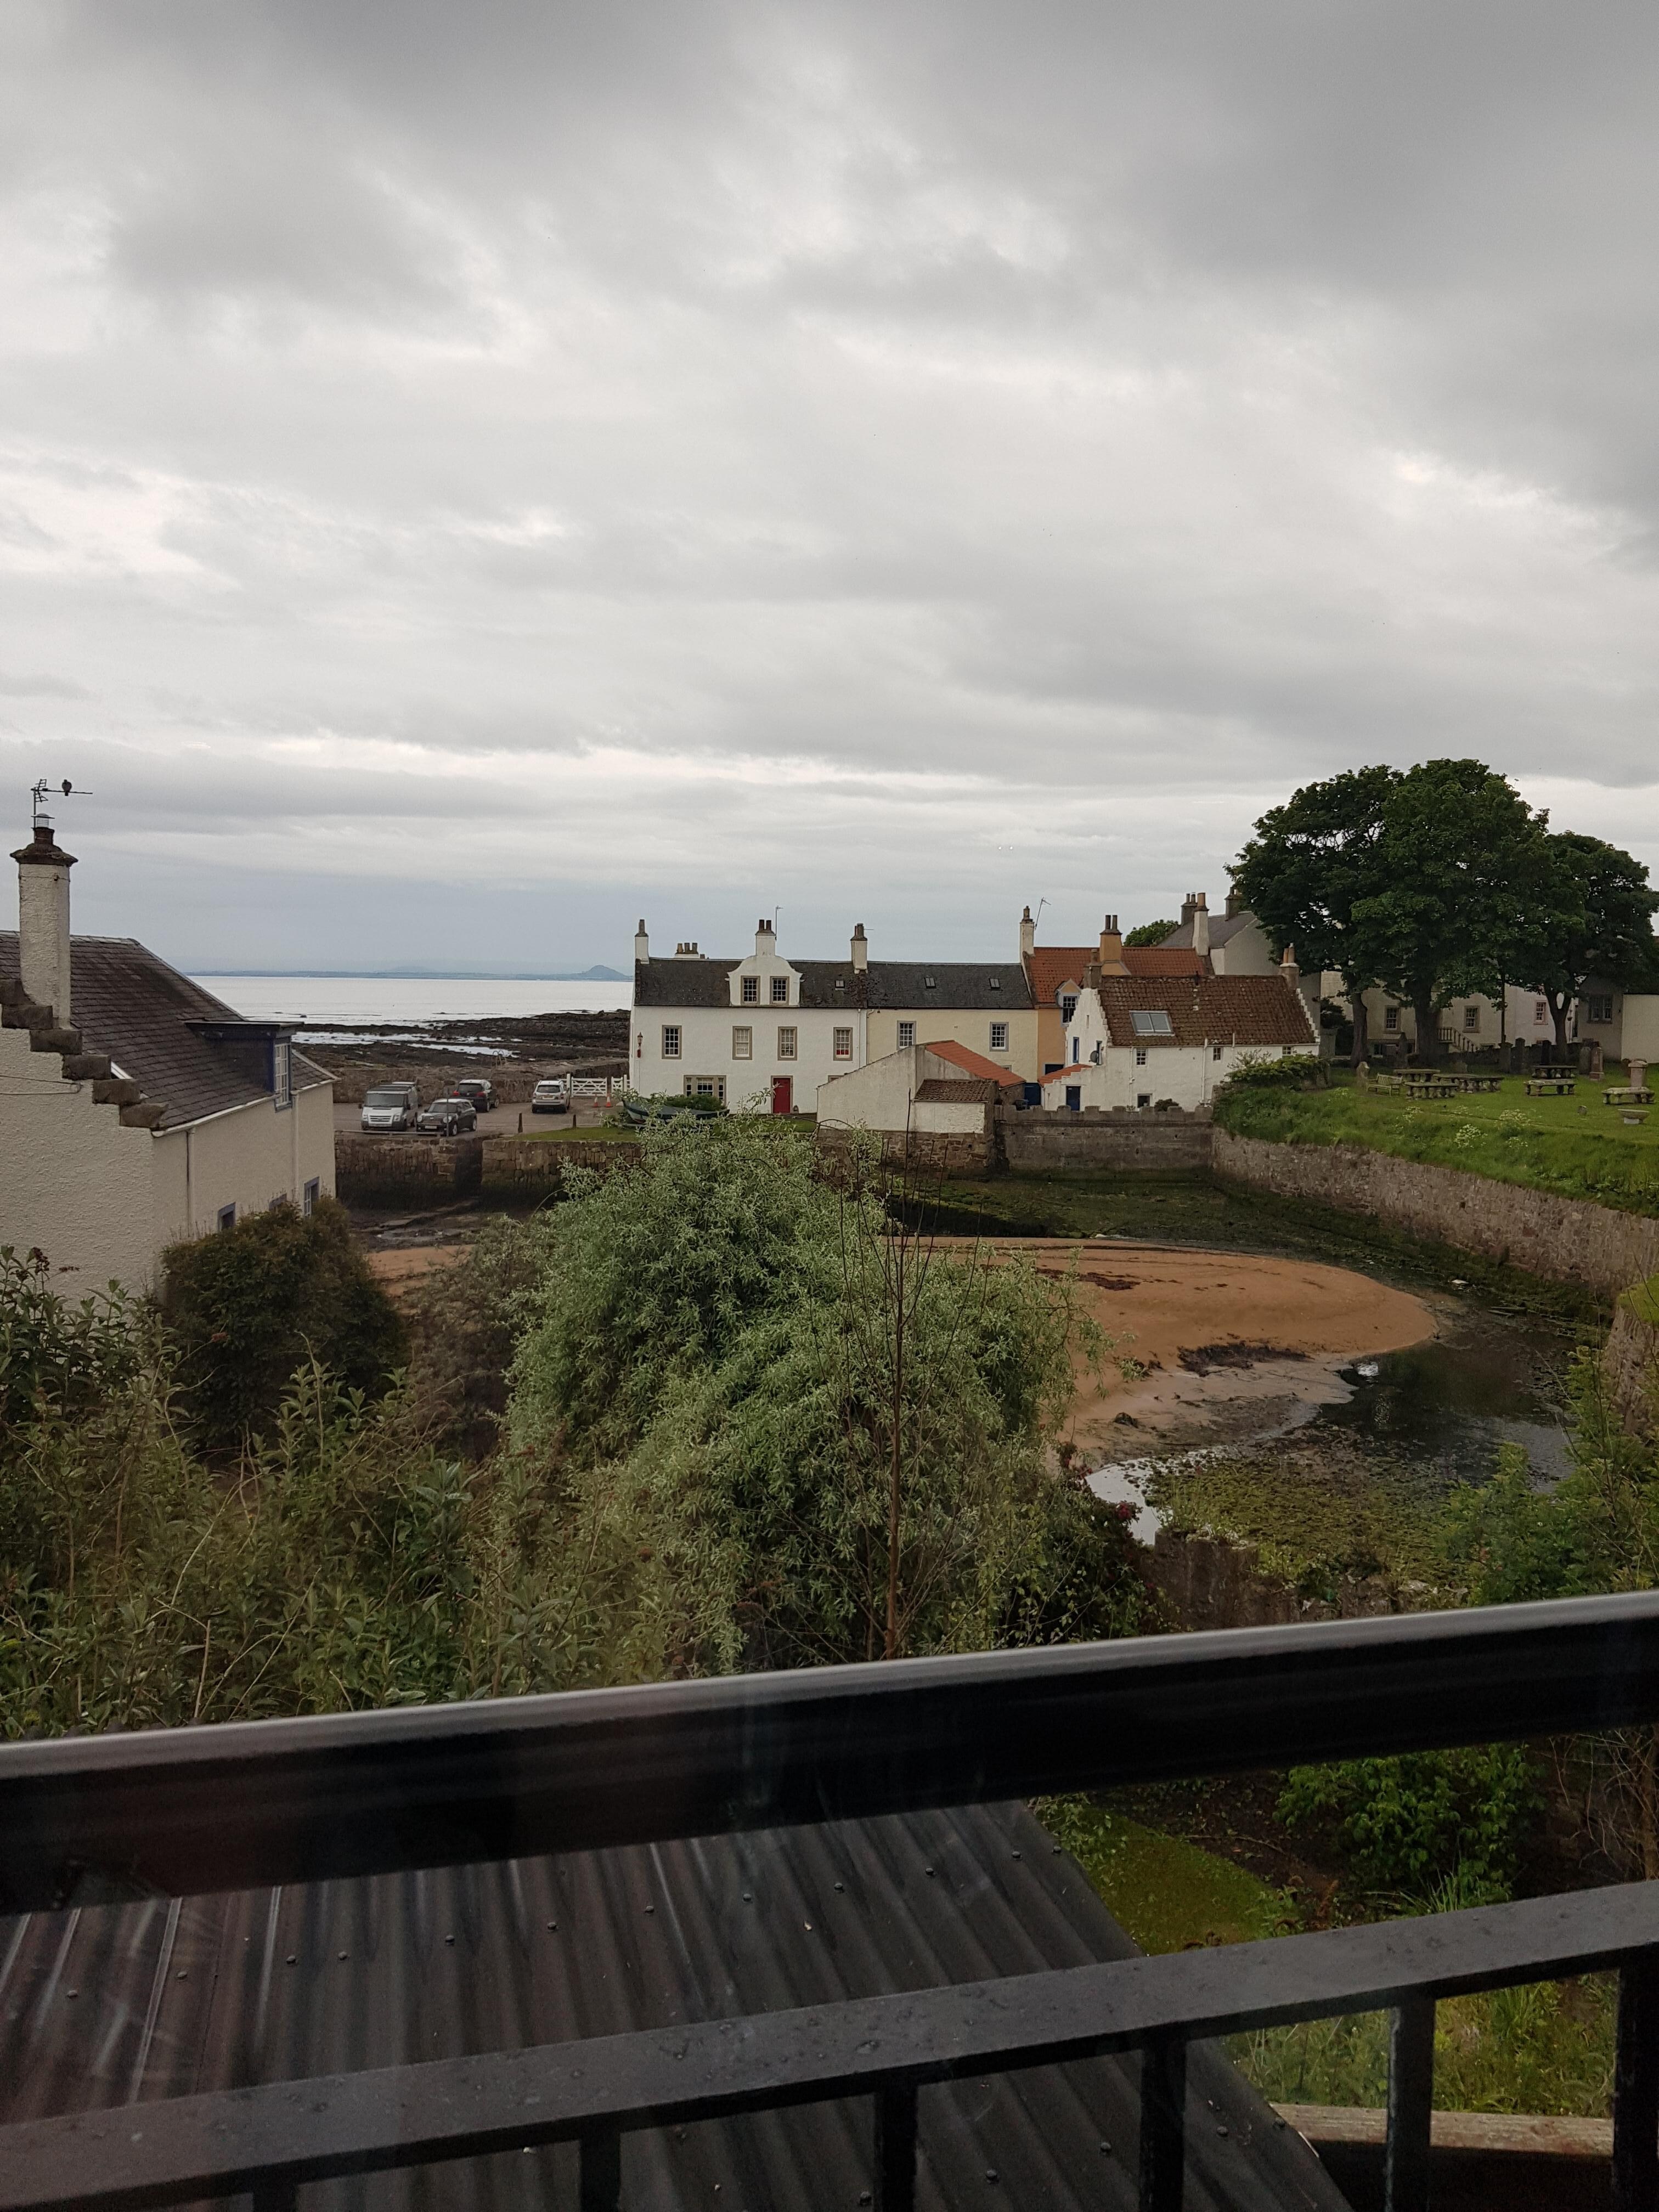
x=766, y=938
x=860, y=949
x=43, y=921
x=1027, y=935
x=641, y=942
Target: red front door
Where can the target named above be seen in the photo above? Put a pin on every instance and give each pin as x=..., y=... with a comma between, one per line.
x=783, y=1094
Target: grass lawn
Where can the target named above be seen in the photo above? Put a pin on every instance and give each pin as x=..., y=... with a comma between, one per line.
x=1544, y=2049
x=1574, y=1146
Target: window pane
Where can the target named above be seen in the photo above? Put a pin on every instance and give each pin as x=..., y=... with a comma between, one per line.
x=743, y=1043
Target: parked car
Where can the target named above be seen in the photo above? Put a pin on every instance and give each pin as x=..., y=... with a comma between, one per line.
x=448, y=1118
x=479, y=1089
x=550, y=1096
x=392, y=1106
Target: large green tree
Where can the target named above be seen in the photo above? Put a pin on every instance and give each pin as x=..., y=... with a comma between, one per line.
x=1597, y=921
x=1309, y=864
x=1464, y=863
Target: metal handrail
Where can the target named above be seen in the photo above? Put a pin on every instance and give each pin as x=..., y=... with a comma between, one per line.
x=185, y=1811
x=193, y=1809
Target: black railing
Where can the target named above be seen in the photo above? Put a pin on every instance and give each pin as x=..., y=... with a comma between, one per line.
x=192, y=1810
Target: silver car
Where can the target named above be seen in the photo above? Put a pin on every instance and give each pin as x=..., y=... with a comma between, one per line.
x=392, y=1106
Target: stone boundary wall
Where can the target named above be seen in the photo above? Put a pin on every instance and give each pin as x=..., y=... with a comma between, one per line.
x=535, y=1167
x=1564, y=1240
x=1130, y=1143
x=397, y=1170
x=1631, y=1360
x=918, y=1152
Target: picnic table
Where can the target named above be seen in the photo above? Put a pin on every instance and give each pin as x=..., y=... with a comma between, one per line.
x=1469, y=1083
x=1626, y=1095
x=1431, y=1086
x=1551, y=1086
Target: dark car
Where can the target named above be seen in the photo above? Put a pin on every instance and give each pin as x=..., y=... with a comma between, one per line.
x=479, y=1089
x=448, y=1117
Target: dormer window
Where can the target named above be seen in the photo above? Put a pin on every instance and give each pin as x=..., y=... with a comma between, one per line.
x=996, y=982
x=1068, y=1005
x=780, y=990
x=928, y=983
x=751, y=990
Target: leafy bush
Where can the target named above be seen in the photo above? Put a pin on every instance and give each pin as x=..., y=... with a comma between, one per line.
x=1411, y=1823
x=1298, y=1071
x=57, y=1359
x=826, y=1437
x=244, y=1308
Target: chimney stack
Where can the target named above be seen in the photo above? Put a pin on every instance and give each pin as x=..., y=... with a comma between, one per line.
x=43, y=921
x=766, y=938
x=1112, y=961
x=641, y=942
x=1289, y=970
x=1195, y=915
x=860, y=949
x=1027, y=935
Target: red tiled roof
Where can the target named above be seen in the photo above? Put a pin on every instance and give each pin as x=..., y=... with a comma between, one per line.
x=1053, y=966
x=972, y=1063
x=1261, y=1010
x=958, y=1092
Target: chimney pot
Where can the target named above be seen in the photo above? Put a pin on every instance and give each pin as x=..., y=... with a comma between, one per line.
x=860, y=948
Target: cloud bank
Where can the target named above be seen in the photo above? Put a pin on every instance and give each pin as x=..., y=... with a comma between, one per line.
x=468, y=477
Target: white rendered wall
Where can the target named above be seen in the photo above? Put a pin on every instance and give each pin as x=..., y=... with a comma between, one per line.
x=969, y=1026
x=73, y=1181
x=706, y=1048
x=244, y=1158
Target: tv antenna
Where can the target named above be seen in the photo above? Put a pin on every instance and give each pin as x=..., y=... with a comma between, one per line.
x=43, y=788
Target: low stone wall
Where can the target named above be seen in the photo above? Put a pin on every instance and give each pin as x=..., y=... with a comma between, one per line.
x=1210, y=1582
x=1122, y=1143
x=536, y=1167
x=1564, y=1240
x=1631, y=1360
x=406, y=1170
x=915, y=1152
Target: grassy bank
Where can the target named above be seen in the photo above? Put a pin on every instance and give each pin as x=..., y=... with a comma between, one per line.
x=1574, y=1146
x=1543, y=2049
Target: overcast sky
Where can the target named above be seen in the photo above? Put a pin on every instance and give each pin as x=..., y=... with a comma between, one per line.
x=470, y=475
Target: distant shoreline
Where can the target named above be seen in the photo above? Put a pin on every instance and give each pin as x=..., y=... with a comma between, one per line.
x=407, y=976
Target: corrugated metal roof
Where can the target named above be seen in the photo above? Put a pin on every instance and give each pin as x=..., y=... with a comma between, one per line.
x=112, y=2005
x=127, y=1002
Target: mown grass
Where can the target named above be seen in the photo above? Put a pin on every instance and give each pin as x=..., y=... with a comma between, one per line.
x=1574, y=1146
x=602, y=1134
x=1546, y=2048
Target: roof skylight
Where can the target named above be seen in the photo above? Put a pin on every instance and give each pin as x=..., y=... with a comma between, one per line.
x=1151, y=1021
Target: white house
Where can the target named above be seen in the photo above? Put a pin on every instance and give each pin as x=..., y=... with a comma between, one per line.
x=1136, y=1041
x=763, y=1033
x=135, y=1109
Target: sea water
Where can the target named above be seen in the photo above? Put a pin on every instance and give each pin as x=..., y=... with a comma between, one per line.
x=323, y=1002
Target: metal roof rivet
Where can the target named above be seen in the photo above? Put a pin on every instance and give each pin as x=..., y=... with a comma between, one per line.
x=807, y=1925
x=292, y=1958
x=650, y=1908
x=182, y=1974
x=1221, y=2131
x=747, y=1898
x=990, y=2173
x=927, y=1869
x=1017, y=1854
x=448, y=1939
x=864, y=2196
x=841, y=1885
x=1106, y=2147
x=552, y=1923
x=342, y=1954
x=72, y=1993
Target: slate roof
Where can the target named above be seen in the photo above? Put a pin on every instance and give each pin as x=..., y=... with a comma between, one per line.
x=1053, y=967
x=128, y=1003
x=115, y=2005
x=1222, y=926
x=960, y=1091
x=1259, y=1010
x=905, y=985
x=973, y=1063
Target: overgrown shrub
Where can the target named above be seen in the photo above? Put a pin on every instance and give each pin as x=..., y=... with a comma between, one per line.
x=244, y=1308
x=56, y=1357
x=1297, y=1071
x=1410, y=1825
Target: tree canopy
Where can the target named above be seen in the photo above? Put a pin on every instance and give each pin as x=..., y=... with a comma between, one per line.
x=1595, y=921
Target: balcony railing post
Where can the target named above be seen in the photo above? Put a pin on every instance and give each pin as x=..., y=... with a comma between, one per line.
x=1636, y=2087
x=600, y=2186
x=896, y=2146
x=1411, y=2106
x=1164, y=2124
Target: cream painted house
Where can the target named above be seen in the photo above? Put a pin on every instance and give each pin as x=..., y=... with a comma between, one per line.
x=135, y=1109
x=938, y=1089
x=763, y=1033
